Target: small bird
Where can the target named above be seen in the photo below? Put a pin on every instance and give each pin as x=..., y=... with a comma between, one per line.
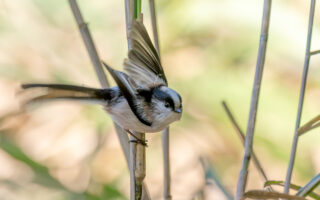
x=141, y=101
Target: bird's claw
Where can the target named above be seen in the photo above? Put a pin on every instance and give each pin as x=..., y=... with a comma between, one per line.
x=139, y=141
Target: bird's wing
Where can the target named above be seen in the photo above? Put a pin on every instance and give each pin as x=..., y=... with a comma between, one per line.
x=130, y=90
x=143, y=63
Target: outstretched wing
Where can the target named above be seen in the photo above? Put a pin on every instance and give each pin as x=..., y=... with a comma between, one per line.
x=143, y=63
x=129, y=89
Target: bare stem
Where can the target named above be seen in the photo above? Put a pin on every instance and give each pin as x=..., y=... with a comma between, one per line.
x=137, y=151
x=312, y=124
x=154, y=25
x=165, y=133
x=241, y=136
x=166, y=164
x=242, y=180
x=301, y=99
x=87, y=39
x=138, y=167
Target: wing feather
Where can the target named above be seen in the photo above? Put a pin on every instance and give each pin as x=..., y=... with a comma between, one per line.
x=143, y=63
x=129, y=90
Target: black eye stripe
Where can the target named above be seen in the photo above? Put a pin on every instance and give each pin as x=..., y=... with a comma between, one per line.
x=163, y=96
x=170, y=101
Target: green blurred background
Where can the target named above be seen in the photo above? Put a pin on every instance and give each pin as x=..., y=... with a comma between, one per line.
x=66, y=150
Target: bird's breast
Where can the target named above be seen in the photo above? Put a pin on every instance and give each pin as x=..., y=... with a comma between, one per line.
x=122, y=115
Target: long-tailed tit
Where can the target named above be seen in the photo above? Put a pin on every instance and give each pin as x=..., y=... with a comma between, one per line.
x=141, y=101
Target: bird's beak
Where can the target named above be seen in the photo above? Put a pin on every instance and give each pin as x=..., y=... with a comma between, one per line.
x=178, y=110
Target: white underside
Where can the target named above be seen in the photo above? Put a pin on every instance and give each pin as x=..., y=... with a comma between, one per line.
x=125, y=118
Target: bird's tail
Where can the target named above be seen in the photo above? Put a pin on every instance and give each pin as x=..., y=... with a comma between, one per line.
x=44, y=92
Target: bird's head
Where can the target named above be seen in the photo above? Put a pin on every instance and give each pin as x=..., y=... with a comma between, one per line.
x=166, y=104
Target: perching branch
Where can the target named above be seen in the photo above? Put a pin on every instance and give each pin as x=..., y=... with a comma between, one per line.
x=301, y=99
x=242, y=180
x=137, y=150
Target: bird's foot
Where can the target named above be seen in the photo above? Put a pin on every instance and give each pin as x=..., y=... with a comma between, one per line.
x=137, y=140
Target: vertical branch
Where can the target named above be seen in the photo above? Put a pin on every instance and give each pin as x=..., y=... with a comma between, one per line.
x=132, y=168
x=301, y=99
x=129, y=13
x=137, y=150
x=129, y=6
x=165, y=133
x=166, y=164
x=137, y=167
x=154, y=25
x=254, y=100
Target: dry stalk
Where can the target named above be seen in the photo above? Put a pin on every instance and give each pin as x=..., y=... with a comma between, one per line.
x=312, y=124
x=242, y=180
x=154, y=25
x=301, y=99
x=137, y=167
x=137, y=150
x=166, y=165
x=165, y=133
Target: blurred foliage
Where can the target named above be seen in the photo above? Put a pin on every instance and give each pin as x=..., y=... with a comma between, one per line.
x=209, y=50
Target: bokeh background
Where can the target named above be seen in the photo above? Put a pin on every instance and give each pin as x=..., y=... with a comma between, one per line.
x=67, y=150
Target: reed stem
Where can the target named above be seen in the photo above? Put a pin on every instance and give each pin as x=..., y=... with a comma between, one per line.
x=301, y=99
x=242, y=180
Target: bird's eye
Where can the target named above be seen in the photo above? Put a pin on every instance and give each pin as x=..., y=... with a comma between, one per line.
x=167, y=104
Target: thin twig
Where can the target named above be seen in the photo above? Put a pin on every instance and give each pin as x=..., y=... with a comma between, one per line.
x=165, y=133
x=254, y=100
x=301, y=99
x=137, y=150
x=154, y=25
x=87, y=39
x=129, y=6
x=241, y=136
x=211, y=175
x=132, y=165
x=312, y=124
x=137, y=166
x=314, y=52
x=166, y=164
x=292, y=186
x=309, y=187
